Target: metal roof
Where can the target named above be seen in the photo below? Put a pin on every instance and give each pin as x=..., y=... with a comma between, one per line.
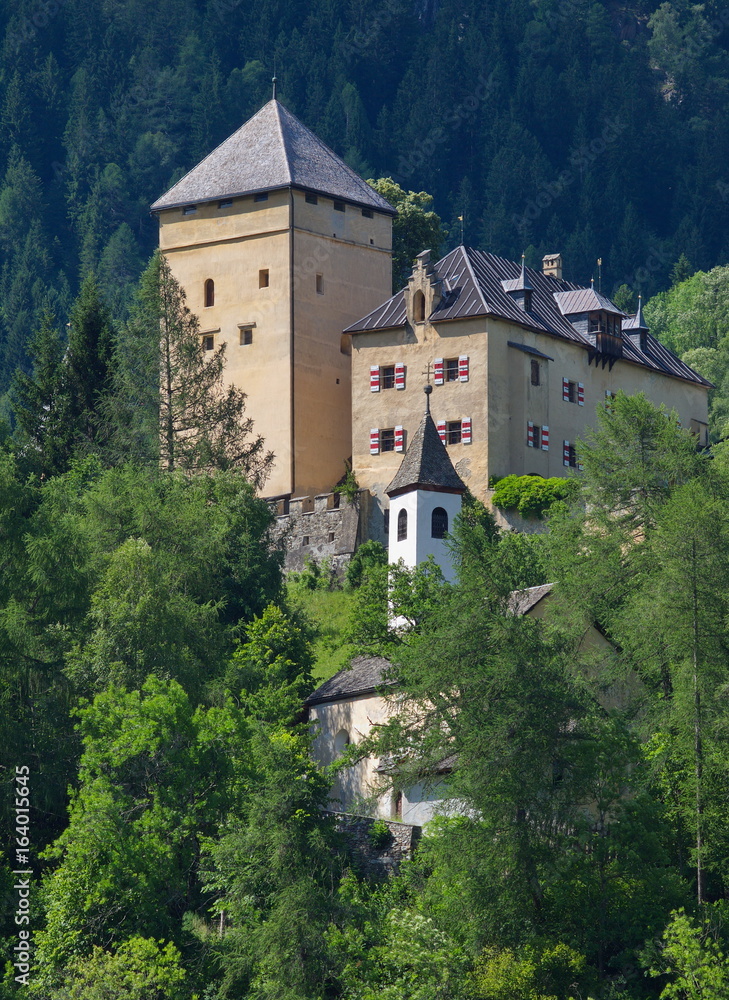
x=272, y=150
x=426, y=463
x=583, y=300
x=471, y=285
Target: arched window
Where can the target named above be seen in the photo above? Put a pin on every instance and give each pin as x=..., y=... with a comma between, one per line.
x=419, y=307
x=341, y=742
x=439, y=523
x=209, y=292
x=402, y=525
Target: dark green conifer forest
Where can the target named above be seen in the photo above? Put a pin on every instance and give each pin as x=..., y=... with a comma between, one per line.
x=154, y=659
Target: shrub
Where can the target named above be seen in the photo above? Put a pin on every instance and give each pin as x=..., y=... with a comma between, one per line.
x=531, y=496
x=379, y=835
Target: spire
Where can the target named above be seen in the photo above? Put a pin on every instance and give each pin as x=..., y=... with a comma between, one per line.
x=273, y=81
x=640, y=323
x=427, y=389
x=426, y=465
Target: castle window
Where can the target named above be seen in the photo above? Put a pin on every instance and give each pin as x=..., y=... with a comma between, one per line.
x=387, y=376
x=451, y=369
x=319, y=284
x=225, y=203
x=439, y=523
x=209, y=293
x=208, y=342
x=261, y=196
x=419, y=307
x=387, y=439
x=339, y=206
x=367, y=213
x=402, y=525
x=453, y=432
x=535, y=372
x=305, y=540
x=246, y=335
x=189, y=210
x=341, y=742
x=311, y=199
x=263, y=278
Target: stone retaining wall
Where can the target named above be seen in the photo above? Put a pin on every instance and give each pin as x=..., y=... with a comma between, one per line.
x=321, y=527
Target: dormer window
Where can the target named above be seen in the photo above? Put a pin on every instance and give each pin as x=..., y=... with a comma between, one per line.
x=419, y=307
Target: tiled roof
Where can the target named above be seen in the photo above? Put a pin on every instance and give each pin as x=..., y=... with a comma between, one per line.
x=472, y=286
x=426, y=463
x=272, y=150
x=364, y=675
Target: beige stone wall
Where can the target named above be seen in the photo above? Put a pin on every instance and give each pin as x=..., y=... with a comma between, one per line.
x=498, y=397
x=298, y=388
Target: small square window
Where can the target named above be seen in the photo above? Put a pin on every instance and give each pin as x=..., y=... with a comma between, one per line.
x=339, y=206
x=246, y=335
x=263, y=278
x=367, y=213
x=387, y=439
x=225, y=203
x=453, y=432
x=450, y=368
x=189, y=210
x=261, y=196
x=535, y=373
x=305, y=540
x=208, y=342
x=330, y=536
x=311, y=199
x=319, y=284
x=387, y=374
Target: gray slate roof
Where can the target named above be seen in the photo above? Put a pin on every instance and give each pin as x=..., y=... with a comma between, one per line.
x=584, y=300
x=426, y=463
x=272, y=150
x=364, y=675
x=472, y=286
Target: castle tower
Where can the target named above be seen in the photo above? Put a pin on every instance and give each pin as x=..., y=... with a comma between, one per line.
x=279, y=246
x=425, y=496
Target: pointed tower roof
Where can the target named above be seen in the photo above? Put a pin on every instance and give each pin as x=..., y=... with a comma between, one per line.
x=272, y=150
x=636, y=322
x=520, y=284
x=426, y=465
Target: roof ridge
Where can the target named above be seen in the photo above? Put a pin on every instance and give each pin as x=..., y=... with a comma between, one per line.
x=477, y=283
x=277, y=108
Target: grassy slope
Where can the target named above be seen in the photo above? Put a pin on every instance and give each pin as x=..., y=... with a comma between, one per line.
x=330, y=611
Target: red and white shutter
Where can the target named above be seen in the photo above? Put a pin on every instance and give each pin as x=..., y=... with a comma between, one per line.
x=566, y=390
x=375, y=378
x=438, y=371
x=580, y=394
x=466, y=430
x=441, y=425
x=400, y=375
x=463, y=368
x=375, y=441
x=545, y=438
x=530, y=434
x=399, y=439
x=565, y=453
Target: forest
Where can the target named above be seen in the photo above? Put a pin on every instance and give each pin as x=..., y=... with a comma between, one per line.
x=154, y=658
x=166, y=832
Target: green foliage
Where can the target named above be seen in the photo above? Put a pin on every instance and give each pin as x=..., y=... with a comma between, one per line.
x=531, y=496
x=379, y=835
x=348, y=486
x=368, y=555
x=693, y=959
x=415, y=228
x=140, y=969
x=558, y=971
x=329, y=611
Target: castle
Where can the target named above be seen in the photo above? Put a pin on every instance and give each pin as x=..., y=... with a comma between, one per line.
x=285, y=255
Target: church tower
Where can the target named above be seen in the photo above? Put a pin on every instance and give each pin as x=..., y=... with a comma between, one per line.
x=279, y=246
x=425, y=496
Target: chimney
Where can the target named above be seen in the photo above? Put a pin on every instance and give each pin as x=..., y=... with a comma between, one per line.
x=552, y=265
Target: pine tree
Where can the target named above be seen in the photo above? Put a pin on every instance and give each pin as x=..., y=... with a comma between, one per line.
x=88, y=361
